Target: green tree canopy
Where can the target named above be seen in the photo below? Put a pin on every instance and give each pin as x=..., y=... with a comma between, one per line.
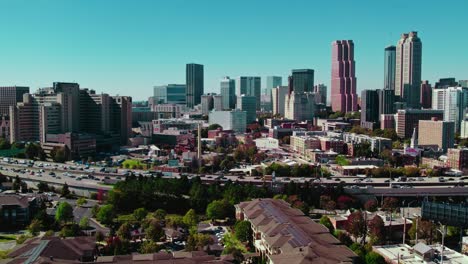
x=106, y=214
x=140, y=214
x=190, y=218
x=243, y=231
x=64, y=212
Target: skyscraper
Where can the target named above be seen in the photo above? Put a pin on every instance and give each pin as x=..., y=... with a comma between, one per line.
x=207, y=103
x=170, y=94
x=228, y=92
x=369, y=109
x=386, y=102
x=194, y=82
x=445, y=83
x=320, y=91
x=389, y=68
x=453, y=101
x=343, y=82
x=279, y=96
x=272, y=82
x=9, y=96
x=426, y=94
x=408, y=69
x=247, y=103
x=303, y=80
x=250, y=86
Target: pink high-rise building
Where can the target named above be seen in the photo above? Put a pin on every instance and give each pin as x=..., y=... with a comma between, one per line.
x=343, y=82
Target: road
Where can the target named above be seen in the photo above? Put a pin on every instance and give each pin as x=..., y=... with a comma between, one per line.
x=76, y=179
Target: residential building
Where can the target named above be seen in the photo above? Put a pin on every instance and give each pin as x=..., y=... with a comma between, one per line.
x=218, y=102
x=407, y=120
x=207, y=103
x=408, y=69
x=426, y=95
x=24, y=120
x=332, y=144
x=343, y=81
x=272, y=82
x=10, y=96
x=283, y=234
x=458, y=158
x=377, y=144
x=369, y=109
x=320, y=91
x=389, y=68
x=437, y=134
x=279, y=94
x=301, y=144
x=303, y=80
x=235, y=120
x=386, y=102
x=250, y=86
x=16, y=211
x=420, y=253
x=228, y=93
x=170, y=94
x=267, y=143
x=194, y=84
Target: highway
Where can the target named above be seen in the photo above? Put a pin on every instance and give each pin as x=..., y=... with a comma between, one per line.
x=76, y=178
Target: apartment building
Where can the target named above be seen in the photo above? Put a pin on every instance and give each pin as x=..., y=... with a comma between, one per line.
x=284, y=235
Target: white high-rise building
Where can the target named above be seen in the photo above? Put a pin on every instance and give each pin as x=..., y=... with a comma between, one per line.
x=453, y=101
x=300, y=106
x=235, y=120
x=279, y=96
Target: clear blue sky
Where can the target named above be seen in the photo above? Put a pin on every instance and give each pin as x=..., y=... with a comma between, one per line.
x=126, y=47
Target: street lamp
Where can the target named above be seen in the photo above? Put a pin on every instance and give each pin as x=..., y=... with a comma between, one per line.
x=443, y=231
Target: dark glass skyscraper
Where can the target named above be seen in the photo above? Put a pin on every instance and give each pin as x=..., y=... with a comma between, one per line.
x=389, y=68
x=369, y=108
x=303, y=80
x=386, y=102
x=194, y=82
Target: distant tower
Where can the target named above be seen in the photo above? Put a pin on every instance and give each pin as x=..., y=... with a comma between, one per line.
x=199, y=146
x=408, y=69
x=343, y=81
x=414, y=140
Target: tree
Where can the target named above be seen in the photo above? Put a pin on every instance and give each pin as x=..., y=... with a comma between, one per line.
x=243, y=231
x=191, y=218
x=214, y=127
x=34, y=227
x=106, y=214
x=4, y=144
x=70, y=231
x=95, y=210
x=342, y=160
x=390, y=204
x=64, y=212
x=374, y=258
x=82, y=201
x=426, y=229
x=376, y=230
x=84, y=223
x=140, y=214
x=345, y=202
x=356, y=225
x=371, y=205
x=59, y=154
x=24, y=187
x=154, y=231
x=198, y=241
x=43, y=187
x=17, y=183
x=174, y=221
x=148, y=247
x=324, y=220
x=65, y=190
x=160, y=214
x=218, y=209
x=124, y=231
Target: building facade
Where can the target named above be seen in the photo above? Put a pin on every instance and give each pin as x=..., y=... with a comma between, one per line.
x=248, y=104
x=228, y=92
x=408, y=69
x=435, y=133
x=369, y=109
x=10, y=96
x=272, y=82
x=303, y=80
x=426, y=95
x=194, y=83
x=343, y=81
x=320, y=91
x=235, y=120
x=389, y=68
x=207, y=103
x=170, y=94
x=279, y=98
x=250, y=86
x=386, y=102
x=407, y=120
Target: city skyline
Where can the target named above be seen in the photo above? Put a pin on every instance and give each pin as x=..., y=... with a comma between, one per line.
x=126, y=51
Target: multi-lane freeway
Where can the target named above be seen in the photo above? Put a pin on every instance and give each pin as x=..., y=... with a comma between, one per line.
x=84, y=180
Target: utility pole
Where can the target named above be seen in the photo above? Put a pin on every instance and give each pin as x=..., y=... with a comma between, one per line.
x=443, y=231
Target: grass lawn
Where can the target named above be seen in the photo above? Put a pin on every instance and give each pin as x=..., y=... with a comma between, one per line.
x=133, y=164
x=7, y=238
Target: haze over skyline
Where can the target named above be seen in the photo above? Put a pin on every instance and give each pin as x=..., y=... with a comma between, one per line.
x=127, y=47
